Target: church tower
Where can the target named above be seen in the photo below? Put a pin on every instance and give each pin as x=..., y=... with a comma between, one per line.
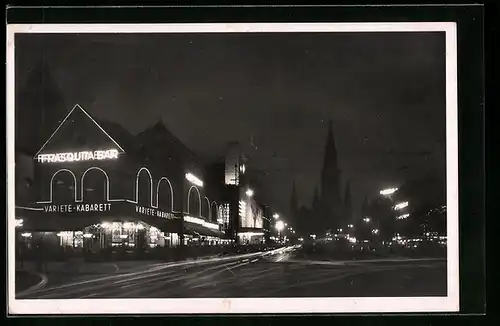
x=315, y=203
x=331, y=200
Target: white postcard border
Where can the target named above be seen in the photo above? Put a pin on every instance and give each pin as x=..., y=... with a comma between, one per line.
x=450, y=303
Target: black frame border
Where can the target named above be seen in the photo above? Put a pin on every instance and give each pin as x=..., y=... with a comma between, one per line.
x=470, y=43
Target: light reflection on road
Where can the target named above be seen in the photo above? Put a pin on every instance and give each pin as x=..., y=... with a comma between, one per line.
x=271, y=273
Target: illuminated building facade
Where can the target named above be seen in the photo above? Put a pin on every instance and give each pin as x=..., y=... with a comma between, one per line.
x=242, y=217
x=233, y=164
x=95, y=186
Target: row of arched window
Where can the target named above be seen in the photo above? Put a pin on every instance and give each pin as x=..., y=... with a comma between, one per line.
x=65, y=187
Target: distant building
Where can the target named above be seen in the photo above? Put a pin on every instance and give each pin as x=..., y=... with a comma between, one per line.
x=267, y=222
x=233, y=164
x=243, y=217
x=331, y=206
x=328, y=211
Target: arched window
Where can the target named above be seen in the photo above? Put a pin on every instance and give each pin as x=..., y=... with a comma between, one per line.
x=165, y=195
x=205, y=209
x=94, y=184
x=144, y=184
x=213, y=208
x=63, y=185
x=194, y=202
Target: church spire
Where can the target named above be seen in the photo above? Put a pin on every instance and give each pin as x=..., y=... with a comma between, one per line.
x=365, y=206
x=315, y=197
x=330, y=158
x=331, y=199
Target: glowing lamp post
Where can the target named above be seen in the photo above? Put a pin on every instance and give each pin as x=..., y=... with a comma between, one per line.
x=280, y=226
x=249, y=192
x=276, y=216
x=403, y=217
x=400, y=206
x=388, y=192
x=194, y=179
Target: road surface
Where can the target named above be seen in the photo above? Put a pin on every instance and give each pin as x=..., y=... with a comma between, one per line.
x=273, y=274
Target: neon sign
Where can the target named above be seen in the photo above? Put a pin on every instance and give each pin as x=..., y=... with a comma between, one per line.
x=194, y=179
x=77, y=208
x=153, y=212
x=109, y=154
x=201, y=222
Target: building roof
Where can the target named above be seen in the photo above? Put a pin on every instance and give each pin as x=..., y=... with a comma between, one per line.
x=127, y=140
x=159, y=137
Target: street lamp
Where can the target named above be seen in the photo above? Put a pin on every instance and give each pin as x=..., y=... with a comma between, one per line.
x=403, y=217
x=388, y=191
x=279, y=227
x=276, y=216
x=194, y=179
x=401, y=205
x=249, y=192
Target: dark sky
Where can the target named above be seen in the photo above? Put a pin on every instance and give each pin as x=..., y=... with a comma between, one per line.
x=385, y=93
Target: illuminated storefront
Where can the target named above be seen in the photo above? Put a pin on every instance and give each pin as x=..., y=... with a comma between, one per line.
x=251, y=218
x=90, y=192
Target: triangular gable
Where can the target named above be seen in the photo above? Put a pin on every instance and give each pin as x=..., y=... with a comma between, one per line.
x=77, y=129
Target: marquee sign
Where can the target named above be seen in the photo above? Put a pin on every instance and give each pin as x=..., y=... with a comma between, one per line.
x=73, y=208
x=99, y=155
x=92, y=210
x=153, y=212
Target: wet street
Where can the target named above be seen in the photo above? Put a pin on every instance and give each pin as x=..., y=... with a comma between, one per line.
x=272, y=274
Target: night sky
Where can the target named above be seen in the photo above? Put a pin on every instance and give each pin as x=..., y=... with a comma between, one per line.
x=385, y=93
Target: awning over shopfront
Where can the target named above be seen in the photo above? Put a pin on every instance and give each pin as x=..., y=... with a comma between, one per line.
x=164, y=225
x=36, y=219
x=196, y=229
x=252, y=231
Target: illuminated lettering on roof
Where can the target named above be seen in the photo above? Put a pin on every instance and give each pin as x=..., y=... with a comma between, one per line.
x=70, y=157
x=99, y=155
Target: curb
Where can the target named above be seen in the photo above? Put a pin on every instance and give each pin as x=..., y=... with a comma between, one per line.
x=40, y=285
